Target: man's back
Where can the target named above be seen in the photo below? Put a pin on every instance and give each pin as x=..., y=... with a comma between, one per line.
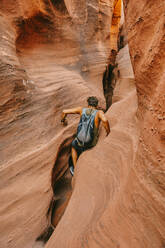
x=87, y=131
x=90, y=119
x=100, y=116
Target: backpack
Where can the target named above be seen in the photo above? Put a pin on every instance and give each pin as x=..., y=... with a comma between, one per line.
x=85, y=130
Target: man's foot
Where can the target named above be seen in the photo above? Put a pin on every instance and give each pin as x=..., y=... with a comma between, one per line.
x=71, y=170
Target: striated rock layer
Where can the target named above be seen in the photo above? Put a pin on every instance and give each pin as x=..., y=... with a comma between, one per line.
x=118, y=197
x=102, y=173
x=53, y=54
x=50, y=59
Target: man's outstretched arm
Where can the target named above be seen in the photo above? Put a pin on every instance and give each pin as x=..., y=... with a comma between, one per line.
x=105, y=122
x=71, y=111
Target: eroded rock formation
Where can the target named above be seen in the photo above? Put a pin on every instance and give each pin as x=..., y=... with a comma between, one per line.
x=53, y=55
x=49, y=61
x=100, y=181
x=124, y=195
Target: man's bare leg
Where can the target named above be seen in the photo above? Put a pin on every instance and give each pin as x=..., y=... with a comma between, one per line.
x=74, y=156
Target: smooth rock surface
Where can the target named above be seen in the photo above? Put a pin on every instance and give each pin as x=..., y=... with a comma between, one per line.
x=48, y=62
x=52, y=56
x=119, y=186
x=102, y=173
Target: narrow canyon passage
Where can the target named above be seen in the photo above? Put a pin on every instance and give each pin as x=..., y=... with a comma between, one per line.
x=53, y=55
x=47, y=72
x=50, y=76
x=121, y=146
x=44, y=79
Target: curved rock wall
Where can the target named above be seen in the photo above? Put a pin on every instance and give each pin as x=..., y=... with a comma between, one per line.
x=49, y=62
x=119, y=187
x=146, y=38
x=102, y=174
x=118, y=196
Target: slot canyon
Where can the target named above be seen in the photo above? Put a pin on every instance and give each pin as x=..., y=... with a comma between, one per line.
x=54, y=54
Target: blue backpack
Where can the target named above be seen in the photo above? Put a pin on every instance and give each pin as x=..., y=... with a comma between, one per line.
x=85, y=130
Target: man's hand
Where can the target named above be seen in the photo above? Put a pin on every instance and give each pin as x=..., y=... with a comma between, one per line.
x=69, y=111
x=63, y=119
x=64, y=122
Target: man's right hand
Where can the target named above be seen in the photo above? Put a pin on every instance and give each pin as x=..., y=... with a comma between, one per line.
x=64, y=122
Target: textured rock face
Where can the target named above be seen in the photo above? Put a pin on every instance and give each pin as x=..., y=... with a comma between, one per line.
x=118, y=196
x=49, y=61
x=146, y=36
x=119, y=186
x=102, y=173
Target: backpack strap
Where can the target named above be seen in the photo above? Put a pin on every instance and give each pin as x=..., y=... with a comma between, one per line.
x=83, y=111
x=93, y=112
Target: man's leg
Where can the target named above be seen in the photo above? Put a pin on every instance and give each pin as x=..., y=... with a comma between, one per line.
x=74, y=156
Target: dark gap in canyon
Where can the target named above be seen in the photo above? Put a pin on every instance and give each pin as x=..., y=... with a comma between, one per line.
x=61, y=180
x=109, y=79
x=59, y=5
x=112, y=73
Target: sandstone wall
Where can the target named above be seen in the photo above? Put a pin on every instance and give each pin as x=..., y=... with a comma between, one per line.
x=118, y=195
x=119, y=187
x=102, y=173
x=49, y=61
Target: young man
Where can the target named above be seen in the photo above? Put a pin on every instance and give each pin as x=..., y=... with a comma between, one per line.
x=88, y=128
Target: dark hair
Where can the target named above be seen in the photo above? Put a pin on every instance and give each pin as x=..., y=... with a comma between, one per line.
x=92, y=101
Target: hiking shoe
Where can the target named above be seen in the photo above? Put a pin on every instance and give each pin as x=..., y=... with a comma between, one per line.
x=71, y=170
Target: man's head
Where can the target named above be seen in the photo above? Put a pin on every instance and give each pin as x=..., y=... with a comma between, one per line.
x=92, y=101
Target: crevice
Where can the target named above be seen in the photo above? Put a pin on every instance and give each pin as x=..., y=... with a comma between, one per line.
x=122, y=37
x=61, y=187
x=109, y=79
x=45, y=236
x=111, y=72
x=60, y=6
